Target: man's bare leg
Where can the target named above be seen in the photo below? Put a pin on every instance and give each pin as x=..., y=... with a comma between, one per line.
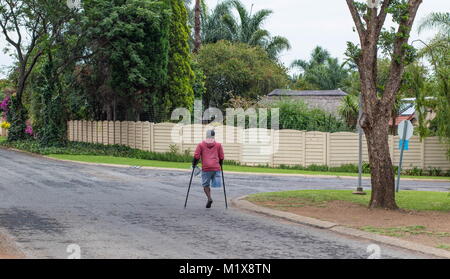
x=208, y=192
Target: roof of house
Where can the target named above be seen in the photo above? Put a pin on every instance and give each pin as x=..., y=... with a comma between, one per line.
x=400, y=118
x=286, y=92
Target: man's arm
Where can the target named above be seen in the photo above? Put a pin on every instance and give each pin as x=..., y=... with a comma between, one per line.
x=197, y=155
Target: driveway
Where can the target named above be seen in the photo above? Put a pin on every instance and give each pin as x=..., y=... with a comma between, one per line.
x=113, y=212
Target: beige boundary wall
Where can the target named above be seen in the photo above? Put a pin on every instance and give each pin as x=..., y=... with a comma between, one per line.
x=3, y=132
x=256, y=146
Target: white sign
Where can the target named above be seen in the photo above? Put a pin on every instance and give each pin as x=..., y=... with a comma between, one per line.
x=405, y=124
x=373, y=3
x=74, y=4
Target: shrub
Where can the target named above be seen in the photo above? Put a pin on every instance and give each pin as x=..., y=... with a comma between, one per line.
x=296, y=115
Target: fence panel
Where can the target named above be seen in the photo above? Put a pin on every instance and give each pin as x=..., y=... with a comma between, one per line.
x=435, y=155
x=99, y=132
x=232, y=145
x=117, y=132
x=138, y=132
x=105, y=132
x=316, y=148
x=166, y=135
x=411, y=157
x=3, y=132
x=132, y=134
x=146, y=136
x=256, y=146
x=290, y=148
x=343, y=149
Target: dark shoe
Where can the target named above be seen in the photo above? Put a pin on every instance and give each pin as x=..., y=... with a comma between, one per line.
x=208, y=205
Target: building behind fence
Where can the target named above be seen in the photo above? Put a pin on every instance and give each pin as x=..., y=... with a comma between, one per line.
x=278, y=147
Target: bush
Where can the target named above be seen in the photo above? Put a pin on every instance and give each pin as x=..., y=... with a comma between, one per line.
x=81, y=148
x=296, y=115
x=236, y=69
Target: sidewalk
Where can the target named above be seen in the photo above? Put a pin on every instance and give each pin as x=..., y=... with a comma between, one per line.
x=8, y=248
x=243, y=204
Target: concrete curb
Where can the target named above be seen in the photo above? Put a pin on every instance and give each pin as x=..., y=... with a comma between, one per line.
x=229, y=172
x=9, y=247
x=243, y=204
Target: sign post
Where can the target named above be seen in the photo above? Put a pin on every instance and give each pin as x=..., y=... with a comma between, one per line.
x=359, y=189
x=405, y=131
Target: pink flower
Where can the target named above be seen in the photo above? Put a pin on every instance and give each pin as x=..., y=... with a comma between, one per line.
x=4, y=105
x=29, y=130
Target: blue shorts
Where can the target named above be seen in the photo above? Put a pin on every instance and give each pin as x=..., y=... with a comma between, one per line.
x=212, y=178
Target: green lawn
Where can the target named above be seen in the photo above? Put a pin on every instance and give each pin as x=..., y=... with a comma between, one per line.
x=410, y=200
x=2, y=139
x=163, y=164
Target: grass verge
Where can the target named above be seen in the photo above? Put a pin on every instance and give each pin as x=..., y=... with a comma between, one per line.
x=123, y=155
x=184, y=165
x=409, y=200
x=444, y=246
x=423, y=218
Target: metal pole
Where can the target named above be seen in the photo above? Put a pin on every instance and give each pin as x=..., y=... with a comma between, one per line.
x=190, y=182
x=224, y=189
x=359, y=189
x=401, y=156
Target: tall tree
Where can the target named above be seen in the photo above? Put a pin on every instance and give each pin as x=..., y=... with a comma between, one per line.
x=197, y=26
x=179, y=92
x=28, y=26
x=125, y=76
x=437, y=51
x=238, y=70
x=377, y=108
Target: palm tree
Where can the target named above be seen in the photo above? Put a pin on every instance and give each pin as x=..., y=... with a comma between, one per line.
x=221, y=24
x=247, y=28
x=349, y=110
x=438, y=53
x=322, y=71
x=319, y=56
x=213, y=28
x=439, y=21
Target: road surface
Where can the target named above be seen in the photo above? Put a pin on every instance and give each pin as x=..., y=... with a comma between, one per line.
x=112, y=212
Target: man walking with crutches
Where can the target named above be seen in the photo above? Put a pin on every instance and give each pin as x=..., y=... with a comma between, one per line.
x=212, y=156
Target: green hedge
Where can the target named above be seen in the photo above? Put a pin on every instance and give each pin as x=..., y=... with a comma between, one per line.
x=80, y=148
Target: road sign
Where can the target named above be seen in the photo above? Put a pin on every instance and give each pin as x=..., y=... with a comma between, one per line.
x=404, y=143
x=406, y=135
x=405, y=132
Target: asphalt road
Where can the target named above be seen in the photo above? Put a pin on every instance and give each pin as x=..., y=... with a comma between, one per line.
x=113, y=212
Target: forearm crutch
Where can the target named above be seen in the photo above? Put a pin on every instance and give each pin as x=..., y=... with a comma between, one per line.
x=189, y=189
x=224, y=189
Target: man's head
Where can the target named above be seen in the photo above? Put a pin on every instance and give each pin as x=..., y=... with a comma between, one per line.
x=210, y=134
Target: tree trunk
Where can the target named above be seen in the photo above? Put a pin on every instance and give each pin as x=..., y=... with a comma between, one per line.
x=383, y=179
x=197, y=27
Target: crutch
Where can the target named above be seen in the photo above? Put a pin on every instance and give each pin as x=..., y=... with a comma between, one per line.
x=224, y=189
x=189, y=189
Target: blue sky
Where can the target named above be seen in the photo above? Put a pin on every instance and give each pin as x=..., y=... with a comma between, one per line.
x=306, y=23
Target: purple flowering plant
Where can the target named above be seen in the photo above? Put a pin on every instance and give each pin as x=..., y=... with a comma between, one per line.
x=4, y=106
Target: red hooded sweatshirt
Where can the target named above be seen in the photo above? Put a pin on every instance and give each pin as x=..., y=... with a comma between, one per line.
x=210, y=153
